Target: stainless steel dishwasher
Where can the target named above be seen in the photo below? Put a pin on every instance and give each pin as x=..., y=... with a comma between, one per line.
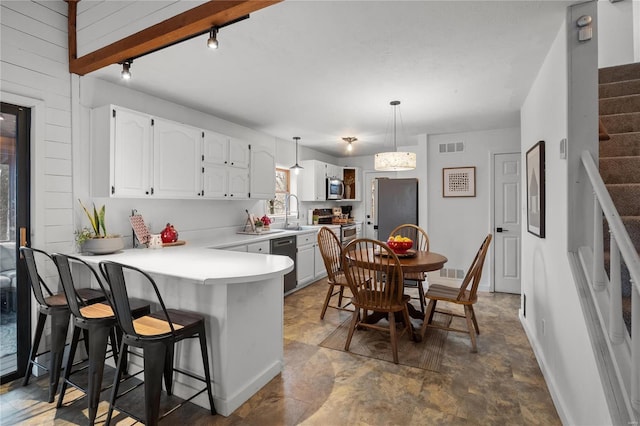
x=286, y=246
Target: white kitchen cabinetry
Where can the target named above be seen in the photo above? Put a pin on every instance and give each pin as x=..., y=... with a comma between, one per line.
x=320, y=271
x=120, y=153
x=261, y=247
x=305, y=259
x=314, y=181
x=262, y=173
x=176, y=166
x=333, y=171
x=225, y=172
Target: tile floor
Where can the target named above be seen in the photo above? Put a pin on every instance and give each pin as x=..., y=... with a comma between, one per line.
x=501, y=384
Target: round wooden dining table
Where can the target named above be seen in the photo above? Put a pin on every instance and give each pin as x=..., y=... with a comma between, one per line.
x=412, y=261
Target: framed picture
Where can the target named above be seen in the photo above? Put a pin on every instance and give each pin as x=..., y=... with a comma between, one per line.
x=535, y=190
x=459, y=182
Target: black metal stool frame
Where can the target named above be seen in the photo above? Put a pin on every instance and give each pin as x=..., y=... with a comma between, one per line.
x=59, y=321
x=158, y=350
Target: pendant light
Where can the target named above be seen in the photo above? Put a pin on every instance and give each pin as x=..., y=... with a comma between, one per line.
x=350, y=140
x=395, y=161
x=296, y=167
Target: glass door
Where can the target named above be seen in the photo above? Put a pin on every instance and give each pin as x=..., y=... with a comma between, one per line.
x=15, y=126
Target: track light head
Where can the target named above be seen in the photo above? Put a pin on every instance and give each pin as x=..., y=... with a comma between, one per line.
x=212, y=43
x=126, y=73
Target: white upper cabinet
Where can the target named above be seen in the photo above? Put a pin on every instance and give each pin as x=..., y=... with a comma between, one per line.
x=333, y=171
x=263, y=173
x=121, y=153
x=176, y=163
x=225, y=167
x=313, y=177
x=137, y=155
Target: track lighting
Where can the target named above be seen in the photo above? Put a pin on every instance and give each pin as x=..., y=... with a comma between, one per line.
x=126, y=73
x=350, y=140
x=212, y=43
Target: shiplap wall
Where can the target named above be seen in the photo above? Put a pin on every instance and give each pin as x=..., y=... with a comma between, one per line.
x=34, y=68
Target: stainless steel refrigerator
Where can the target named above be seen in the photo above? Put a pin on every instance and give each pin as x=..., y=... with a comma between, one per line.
x=395, y=202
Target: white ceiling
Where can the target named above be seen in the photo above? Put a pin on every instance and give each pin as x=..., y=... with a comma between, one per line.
x=323, y=70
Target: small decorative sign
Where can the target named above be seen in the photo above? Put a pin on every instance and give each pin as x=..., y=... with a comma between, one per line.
x=459, y=182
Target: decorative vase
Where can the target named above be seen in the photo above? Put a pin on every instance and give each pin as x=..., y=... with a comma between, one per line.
x=347, y=191
x=102, y=245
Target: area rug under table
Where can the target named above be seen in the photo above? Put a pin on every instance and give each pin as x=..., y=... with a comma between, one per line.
x=426, y=355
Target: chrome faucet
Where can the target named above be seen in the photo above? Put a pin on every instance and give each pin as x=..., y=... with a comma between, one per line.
x=287, y=209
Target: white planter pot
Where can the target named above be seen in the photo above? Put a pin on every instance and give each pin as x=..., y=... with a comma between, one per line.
x=102, y=245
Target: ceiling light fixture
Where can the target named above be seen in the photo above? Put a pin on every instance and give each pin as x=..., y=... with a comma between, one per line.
x=212, y=43
x=350, y=140
x=126, y=72
x=296, y=167
x=395, y=161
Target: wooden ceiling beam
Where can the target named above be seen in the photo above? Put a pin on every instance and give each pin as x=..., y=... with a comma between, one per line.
x=170, y=31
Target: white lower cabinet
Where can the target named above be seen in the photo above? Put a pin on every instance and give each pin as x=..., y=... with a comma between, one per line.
x=320, y=270
x=261, y=247
x=305, y=259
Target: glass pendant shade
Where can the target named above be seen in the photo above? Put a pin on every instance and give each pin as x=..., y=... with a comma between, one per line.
x=394, y=161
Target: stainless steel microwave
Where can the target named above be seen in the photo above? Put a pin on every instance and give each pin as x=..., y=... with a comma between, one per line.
x=335, y=189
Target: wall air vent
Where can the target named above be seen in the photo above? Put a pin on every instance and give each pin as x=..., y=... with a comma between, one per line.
x=445, y=148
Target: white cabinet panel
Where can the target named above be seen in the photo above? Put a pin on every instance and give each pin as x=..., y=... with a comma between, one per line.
x=262, y=173
x=176, y=162
x=215, y=181
x=239, y=154
x=238, y=183
x=225, y=167
x=305, y=264
x=261, y=247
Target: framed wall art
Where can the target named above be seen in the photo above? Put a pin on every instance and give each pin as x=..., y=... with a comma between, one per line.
x=459, y=182
x=536, y=190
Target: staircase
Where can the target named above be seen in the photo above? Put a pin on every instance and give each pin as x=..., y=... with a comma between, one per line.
x=619, y=92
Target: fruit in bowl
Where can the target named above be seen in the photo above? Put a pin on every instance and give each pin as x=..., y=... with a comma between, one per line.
x=399, y=244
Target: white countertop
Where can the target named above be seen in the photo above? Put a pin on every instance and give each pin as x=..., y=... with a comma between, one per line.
x=199, y=264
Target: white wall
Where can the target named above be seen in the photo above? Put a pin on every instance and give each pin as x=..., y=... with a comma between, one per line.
x=457, y=226
x=554, y=320
x=34, y=73
x=618, y=32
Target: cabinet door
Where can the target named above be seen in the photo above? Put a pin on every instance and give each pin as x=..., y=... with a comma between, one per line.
x=215, y=148
x=238, y=154
x=262, y=173
x=238, y=183
x=320, y=182
x=132, y=154
x=176, y=160
x=215, y=181
x=261, y=247
x=305, y=264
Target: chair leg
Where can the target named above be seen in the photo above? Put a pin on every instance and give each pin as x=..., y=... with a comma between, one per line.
x=326, y=301
x=340, y=296
x=154, y=365
x=42, y=318
x=99, y=336
x=168, y=368
x=473, y=317
x=59, y=327
x=428, y=316
x=116, y=381
x=207, y=372
x=468, y=314
x=394, y=337
x=69, y=366
x=352, y=328
x=408, y=325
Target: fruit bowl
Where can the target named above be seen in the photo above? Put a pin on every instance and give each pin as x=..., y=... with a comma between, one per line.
x=400, y=247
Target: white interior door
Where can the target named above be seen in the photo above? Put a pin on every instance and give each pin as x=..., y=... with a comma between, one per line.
x=369, y=214
x=507, y=235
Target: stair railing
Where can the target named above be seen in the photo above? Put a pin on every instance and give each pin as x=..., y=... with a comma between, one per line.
x=624, y=348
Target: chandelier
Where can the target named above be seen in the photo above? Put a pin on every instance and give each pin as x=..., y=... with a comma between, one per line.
x=395, y=161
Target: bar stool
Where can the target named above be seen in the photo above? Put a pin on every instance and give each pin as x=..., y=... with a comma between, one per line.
x=98, y=320
x=156, y=334
x=55, y=306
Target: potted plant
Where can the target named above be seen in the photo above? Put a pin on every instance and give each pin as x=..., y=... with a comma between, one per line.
x=96, y=240
x=258, y=225
x=266, y=222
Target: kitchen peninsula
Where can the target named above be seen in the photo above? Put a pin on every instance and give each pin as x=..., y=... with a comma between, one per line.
x=240, y=295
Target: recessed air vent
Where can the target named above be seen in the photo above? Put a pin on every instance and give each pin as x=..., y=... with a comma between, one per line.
x=445, y=148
